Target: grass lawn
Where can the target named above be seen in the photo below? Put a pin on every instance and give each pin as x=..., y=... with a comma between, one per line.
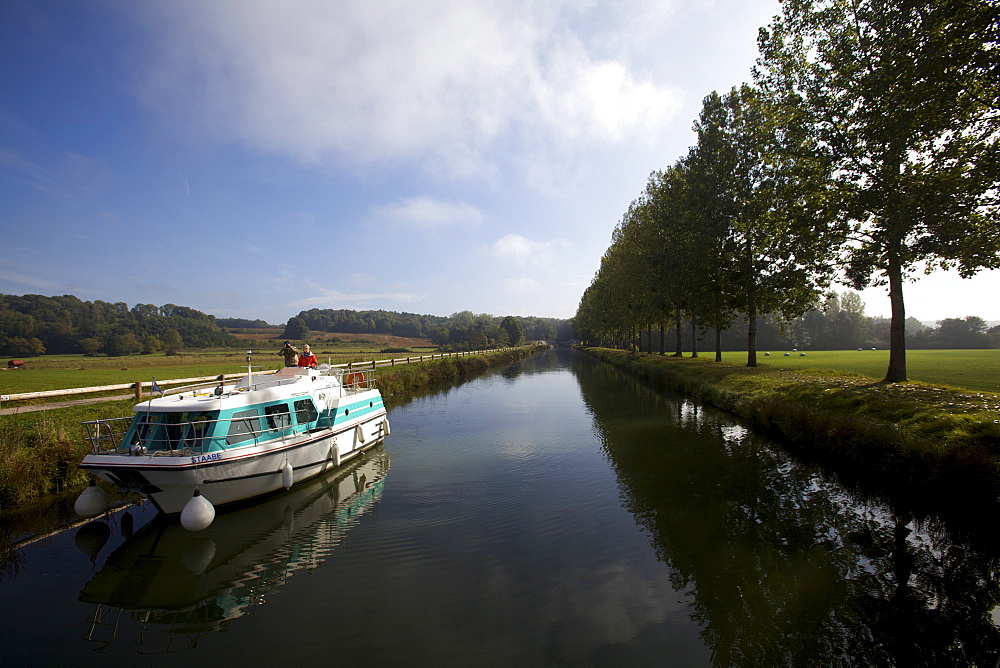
x=58, y=372
x=970, y=369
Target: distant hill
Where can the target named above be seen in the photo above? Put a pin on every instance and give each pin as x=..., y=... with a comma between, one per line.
x=464, y=329
x=35, y=325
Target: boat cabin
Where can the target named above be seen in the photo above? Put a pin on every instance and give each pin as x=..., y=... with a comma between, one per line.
x=211, y=431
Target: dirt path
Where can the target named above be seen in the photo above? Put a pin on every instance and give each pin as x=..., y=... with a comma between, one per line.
x=61, y=404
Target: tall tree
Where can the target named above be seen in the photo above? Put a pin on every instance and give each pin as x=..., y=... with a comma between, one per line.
x=513, y=328
x=901, y=97
x=771, y=256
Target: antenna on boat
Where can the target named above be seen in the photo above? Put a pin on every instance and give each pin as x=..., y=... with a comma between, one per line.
x=249, y=370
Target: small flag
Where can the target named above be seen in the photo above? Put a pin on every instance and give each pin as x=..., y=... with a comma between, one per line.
x=156, y=388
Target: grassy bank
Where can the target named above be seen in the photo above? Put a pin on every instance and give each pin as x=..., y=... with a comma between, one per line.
x=936, y=446
x=39, y=452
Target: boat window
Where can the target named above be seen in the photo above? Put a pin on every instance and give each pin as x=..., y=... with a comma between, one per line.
x=243, y=426
x=141, y=426
x=277, y=416
x=171, y=431
x=173, y=428
x=201, y=426
x=305, y=411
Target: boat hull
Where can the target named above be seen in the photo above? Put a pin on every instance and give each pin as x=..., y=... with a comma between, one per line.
x=238, y=474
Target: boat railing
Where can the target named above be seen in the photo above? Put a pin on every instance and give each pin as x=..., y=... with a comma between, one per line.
x=106, y=435
x=198, y=437
x=354, y=380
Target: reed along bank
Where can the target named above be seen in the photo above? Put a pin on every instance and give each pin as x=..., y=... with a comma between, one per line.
x=931, y=448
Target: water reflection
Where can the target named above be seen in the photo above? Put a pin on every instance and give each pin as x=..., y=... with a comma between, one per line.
x=783, y=565
x=171, y=581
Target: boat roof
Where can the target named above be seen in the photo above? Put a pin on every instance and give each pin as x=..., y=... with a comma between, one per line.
x=247, y=391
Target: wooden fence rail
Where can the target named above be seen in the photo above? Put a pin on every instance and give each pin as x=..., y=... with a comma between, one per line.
x=139, y=384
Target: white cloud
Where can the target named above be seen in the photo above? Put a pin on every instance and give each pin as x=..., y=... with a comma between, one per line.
x=524, y=252
x=424, y=213
x=439, y=83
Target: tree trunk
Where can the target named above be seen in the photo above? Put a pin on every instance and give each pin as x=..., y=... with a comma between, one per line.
x=678, y=352
x=718, y=344
x=751, y=307
x=897, y=323
x=694, y=336
x=752, y=333
x=663, y=342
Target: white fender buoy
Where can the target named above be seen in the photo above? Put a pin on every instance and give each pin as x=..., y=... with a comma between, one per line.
x=197, y=555
x=385, y=427
x=359, y=435
x=92, y=502
x=198, y=513
x=287, y=476
x=335, y=453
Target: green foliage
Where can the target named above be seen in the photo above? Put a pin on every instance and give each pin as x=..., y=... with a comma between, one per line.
x=35, y=325
x=39, y=451
x=871, y=143
x=295, y=329
x=172, y=341
x=464, y=330
x=513, y=329
x=901, y=100
x=241, y=323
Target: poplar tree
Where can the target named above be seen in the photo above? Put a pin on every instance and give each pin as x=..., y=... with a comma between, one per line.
x=900, y=98
x=756, y=224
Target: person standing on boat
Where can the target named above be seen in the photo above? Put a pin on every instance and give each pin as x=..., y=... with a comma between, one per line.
x=307, y=358
x=290, y=353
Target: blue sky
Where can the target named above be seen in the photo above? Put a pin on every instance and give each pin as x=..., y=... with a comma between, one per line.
x=254, y=159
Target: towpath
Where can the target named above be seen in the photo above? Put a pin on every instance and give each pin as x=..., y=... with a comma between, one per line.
x=61, y=404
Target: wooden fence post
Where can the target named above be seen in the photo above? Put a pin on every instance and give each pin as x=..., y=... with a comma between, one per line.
x=138, y=391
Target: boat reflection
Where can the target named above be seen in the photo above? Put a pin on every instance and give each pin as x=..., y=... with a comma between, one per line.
x=197, y=582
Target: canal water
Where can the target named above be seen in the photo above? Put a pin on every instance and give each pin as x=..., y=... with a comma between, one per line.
x=557, y=512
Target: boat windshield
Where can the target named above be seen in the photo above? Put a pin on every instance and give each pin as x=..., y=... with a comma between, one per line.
x=172, y=431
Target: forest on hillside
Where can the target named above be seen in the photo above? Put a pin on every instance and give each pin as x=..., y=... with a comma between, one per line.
x=33, y=325
x=464, y=330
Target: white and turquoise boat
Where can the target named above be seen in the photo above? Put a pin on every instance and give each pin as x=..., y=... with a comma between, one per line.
x=198, y=447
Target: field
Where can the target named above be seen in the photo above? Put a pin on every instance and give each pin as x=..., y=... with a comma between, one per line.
x=324, y=340
x=56, y=372
x=969, y=369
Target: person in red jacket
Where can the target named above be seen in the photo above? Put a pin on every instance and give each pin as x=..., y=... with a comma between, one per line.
x=306, y=357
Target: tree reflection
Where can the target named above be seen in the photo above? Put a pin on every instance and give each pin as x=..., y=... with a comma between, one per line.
x=784, y=564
